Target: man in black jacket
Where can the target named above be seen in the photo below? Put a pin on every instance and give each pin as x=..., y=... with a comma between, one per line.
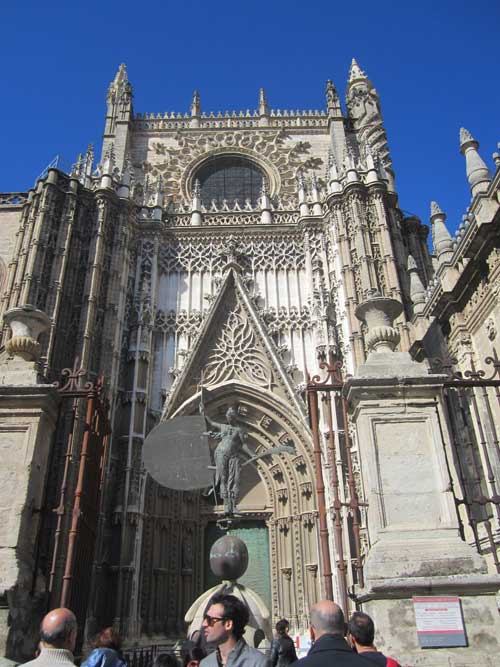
x=282, y=646
x=329, y=649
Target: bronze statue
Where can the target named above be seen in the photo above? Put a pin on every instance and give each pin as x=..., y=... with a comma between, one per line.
x=227, y=457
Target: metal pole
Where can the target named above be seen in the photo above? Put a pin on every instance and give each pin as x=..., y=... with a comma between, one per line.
x=337, y=505
x=320, y=493
x=68, y=569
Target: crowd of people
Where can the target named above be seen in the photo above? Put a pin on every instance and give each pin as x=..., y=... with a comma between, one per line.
x=334, y=643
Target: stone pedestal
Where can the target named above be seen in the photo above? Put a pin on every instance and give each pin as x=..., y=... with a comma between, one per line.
x=28, y=415
x=27, y=420
x=415, y=544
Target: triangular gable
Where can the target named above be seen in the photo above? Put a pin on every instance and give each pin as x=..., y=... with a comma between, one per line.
x=232, y=345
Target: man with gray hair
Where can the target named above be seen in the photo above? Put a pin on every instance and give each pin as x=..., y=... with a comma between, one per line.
x=327, y=628
x=58, y=632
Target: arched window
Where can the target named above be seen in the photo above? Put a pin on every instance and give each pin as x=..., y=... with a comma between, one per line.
x=229, y=178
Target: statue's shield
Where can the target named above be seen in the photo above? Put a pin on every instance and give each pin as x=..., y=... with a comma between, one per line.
x=176, y=454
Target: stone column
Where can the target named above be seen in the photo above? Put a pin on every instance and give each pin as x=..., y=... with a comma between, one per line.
x=416, y=547
x=28, y=415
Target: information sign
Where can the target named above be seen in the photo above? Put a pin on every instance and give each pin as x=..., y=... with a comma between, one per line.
x=302, y=645
x=439, y=622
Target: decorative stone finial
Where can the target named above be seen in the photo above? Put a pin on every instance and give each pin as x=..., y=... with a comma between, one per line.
x=355, y=72
x=121, y=76
x=127, y=178
x=465, y=136
x=436, y=209
x=332, y=100
x=441, y=237
x=477, y=172
x=197, y=188
x=378, y=313
x=120, y=85
x=417, y=289
x=263, y=105
x=26, y=323
x=195, y=104
x=196, y=218
x=317, y=208
x=108, y=164
x=303, y=205
x=265, y=204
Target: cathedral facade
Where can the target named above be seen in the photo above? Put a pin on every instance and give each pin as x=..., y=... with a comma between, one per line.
x=232, y=253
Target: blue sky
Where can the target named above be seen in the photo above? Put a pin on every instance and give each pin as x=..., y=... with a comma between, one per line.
x=435, y=65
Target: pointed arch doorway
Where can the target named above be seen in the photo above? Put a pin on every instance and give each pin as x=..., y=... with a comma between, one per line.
x=277, y=498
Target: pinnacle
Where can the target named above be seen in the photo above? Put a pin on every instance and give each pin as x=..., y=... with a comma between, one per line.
x=435, y=209
x=263, y=105
x=196, y=104
x=465, y=136
x=121, y=74
x=355, y=72
x=412, y=264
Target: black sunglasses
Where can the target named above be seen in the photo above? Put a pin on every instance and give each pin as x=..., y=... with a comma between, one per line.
x=212, y=620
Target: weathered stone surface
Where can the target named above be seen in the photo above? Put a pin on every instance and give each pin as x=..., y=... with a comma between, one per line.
x=27, y=421
x=415, y=547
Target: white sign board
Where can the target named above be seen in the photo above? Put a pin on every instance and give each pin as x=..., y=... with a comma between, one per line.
x=439, y=621
x=302, y=645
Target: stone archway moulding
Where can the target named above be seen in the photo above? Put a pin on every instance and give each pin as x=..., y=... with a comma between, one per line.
x=288, y=479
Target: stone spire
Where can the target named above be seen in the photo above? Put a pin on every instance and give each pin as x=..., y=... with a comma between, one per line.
x=351, y=172
x=263, y=105
x=317, y=208
x=478, y=173
x=119, y=113
x=332, y=100
x=441, y=237
x=195, y=104
x=196, y=218
x=88, y=161
x=127, y=178
x=303, y=205
x=355, y=72
x=120, y=92
x=363, y=107
x=417, y=289
x=108, y=166
x=265, y=205
x=334, y=184
x=372, y=175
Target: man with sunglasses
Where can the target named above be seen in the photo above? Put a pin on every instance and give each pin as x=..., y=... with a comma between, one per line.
x=223, y=626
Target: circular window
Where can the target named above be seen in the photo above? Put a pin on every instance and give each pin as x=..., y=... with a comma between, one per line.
x=229, y=179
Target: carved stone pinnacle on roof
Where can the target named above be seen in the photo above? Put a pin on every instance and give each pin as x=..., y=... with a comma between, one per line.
x=355, y=72
x=465, y=136
x=435, y=209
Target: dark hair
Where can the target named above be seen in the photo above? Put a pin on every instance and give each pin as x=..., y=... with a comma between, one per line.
x=281, y=626
x=108, y=638
x=165, y=660
x=59, y=635
x=192, y=653
x=361, y=627
x=234, y=610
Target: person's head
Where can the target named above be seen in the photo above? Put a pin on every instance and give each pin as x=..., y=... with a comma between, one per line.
x=59, y=629
x=360, y=629
x=231, y=416
x=282, y=626
x=225, y=618
x=192, y=656
x=326, y=618
x=165, y=660
x=108, y=638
